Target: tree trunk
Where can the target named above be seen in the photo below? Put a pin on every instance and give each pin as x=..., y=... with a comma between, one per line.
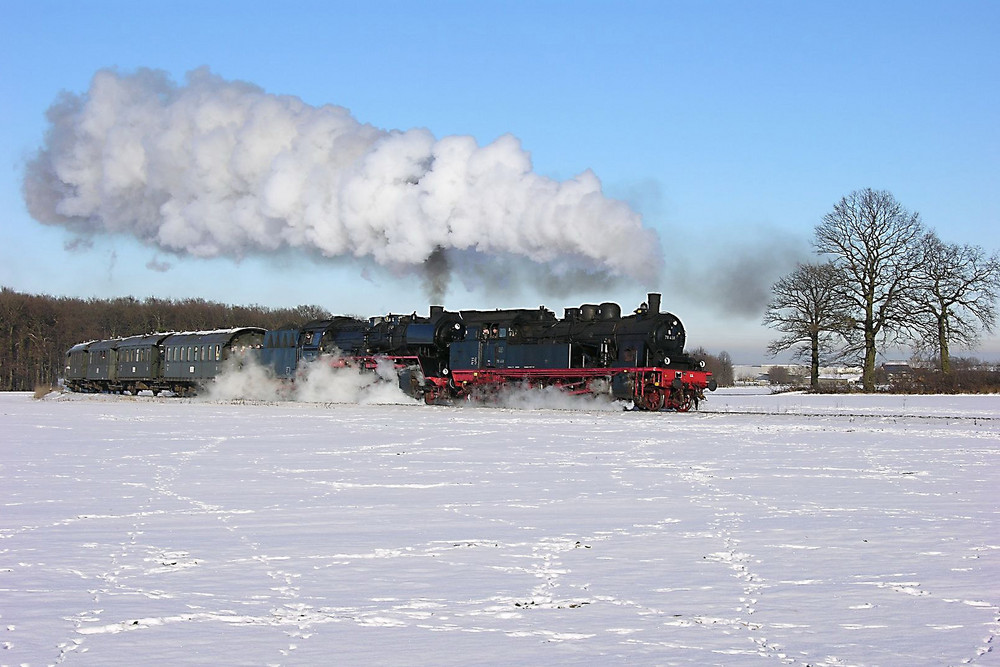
x=868, y=374
x=814, y=362
x=943, y=342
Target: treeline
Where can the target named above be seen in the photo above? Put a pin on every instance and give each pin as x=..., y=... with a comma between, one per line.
x=36, y=330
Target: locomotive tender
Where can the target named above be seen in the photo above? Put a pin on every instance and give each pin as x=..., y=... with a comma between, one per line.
x=446, y=356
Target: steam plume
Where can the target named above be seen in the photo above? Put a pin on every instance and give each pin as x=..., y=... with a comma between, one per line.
x=222, y=168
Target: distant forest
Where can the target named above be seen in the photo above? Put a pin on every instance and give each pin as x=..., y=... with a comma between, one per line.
x=36, y=330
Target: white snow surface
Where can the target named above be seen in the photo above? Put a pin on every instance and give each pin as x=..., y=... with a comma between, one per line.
x=764, y=529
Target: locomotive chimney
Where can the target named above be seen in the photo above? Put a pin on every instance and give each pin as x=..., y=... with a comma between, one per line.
x=436, y=311
x=653, y=301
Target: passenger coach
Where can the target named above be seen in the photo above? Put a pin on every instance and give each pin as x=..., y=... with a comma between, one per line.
x=176, y=362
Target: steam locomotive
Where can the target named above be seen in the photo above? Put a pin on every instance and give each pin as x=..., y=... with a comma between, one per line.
x=444, y=357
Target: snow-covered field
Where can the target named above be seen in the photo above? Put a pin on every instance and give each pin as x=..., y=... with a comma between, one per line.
x=784, y=529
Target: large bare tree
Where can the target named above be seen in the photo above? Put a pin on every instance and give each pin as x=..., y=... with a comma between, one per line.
x=876, y=242
x=809, y=308
x=957, y=299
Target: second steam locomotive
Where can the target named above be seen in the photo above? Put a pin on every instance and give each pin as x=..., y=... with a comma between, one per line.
x=444, y=357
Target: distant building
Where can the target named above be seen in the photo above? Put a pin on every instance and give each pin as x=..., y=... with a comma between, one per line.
x=893, y=369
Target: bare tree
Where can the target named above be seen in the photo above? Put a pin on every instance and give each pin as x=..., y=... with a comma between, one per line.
x=875, y=241
x=809, y=308
x=957, y=298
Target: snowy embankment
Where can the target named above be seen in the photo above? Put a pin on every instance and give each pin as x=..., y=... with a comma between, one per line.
x=822, y=531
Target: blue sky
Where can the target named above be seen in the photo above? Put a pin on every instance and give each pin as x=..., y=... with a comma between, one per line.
x=731, y=127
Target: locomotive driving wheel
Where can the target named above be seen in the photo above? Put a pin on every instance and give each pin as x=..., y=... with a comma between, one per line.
x=684, y=402
x=652, y=398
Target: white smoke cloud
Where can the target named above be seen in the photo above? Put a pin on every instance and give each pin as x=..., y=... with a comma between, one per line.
x=222, y=168
x=321, y=381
